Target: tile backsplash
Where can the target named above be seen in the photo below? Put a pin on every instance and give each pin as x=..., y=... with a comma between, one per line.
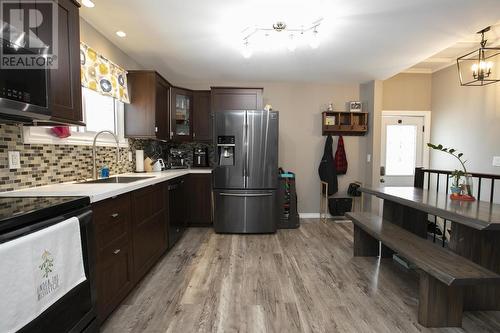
x=43, y=164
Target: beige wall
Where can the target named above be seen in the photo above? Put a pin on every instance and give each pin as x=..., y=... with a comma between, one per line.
x=371, y=94
x=409, y=92
x=465, y=118
x=90, y=36
x=301, y=142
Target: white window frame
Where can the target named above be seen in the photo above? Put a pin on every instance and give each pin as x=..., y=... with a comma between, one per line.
x=44, y=135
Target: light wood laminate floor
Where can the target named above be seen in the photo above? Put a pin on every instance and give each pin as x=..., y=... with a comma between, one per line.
x=301, y=280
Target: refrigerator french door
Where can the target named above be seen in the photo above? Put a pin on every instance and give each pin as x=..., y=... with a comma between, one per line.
x=246, y=175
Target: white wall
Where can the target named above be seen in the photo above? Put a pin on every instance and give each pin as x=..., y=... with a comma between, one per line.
x=301, y=142
x=93, y=38
x=467, y=119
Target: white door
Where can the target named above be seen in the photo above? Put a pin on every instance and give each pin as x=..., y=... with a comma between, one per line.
x=402, y=149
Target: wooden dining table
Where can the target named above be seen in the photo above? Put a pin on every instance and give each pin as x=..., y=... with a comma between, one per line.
x=474, y=230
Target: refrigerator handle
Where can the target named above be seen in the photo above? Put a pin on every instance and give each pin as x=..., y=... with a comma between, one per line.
x=246, y=194
x=246, y=149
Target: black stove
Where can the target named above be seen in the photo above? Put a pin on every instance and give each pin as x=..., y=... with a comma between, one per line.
x=20, y=216
x=18, y=211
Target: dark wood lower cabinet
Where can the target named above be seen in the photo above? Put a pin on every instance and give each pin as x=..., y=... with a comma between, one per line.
x=114, y=265
x=132, y=232
x=148, y=227
x=200, y=200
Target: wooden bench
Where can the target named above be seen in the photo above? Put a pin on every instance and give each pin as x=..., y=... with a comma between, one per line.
x=443, y=274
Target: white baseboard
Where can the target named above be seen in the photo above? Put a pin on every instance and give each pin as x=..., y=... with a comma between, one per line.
x=309, y=215
x=317, y=216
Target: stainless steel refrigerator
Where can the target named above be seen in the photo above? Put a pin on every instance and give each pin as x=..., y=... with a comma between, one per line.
x=246, y=175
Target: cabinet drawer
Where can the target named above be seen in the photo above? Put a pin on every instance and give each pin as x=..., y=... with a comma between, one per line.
x=112, y=219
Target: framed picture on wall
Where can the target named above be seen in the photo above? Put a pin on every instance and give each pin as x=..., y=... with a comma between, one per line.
x=355, y=106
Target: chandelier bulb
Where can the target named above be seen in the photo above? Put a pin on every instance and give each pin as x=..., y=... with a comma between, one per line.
x=246, y=51
x=314, y=43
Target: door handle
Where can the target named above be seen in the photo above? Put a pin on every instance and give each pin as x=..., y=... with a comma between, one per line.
x=246, y=195
x=382, y=170
x=382, y=180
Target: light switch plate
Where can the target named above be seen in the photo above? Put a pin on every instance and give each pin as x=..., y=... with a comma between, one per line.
x=496, y=160
x=14, y=160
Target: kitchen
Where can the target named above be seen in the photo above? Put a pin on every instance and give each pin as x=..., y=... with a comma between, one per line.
x=186, y=169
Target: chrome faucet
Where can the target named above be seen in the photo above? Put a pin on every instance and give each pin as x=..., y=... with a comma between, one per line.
x=94, y=173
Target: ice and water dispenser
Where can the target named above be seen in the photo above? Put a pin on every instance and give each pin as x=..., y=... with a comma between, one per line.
x=225, y=149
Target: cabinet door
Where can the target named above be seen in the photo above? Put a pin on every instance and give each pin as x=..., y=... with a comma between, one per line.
x=140, y=114
x=148, y=227
x=236, y=99
x=65, y=95
x=201, y=116
x=181, y=109
x=162, y=120
x=114, y=272
x=200, y=199
x=114, y=276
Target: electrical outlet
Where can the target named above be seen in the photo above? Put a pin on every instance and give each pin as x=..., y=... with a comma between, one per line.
x=130, y=156
x=496, y=160
x=14, y=160
x=368, y=158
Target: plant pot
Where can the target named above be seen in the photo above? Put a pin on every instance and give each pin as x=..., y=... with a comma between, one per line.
x=456, y=190
x=467, y=185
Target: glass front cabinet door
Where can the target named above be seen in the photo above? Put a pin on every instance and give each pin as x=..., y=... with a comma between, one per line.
x=182, y=100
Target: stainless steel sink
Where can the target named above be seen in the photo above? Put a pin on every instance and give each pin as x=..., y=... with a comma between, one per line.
x=114, y=180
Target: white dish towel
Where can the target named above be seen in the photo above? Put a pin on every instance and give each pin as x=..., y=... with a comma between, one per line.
x=38, y=269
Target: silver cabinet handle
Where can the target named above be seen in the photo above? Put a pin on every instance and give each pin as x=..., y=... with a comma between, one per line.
x=246, y=195
x=116, y=251
x=114, y=215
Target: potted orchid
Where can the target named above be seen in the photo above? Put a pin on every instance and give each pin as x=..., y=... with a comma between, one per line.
x=460, y=189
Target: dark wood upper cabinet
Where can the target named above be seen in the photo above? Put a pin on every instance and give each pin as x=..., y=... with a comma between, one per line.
x=227, y=98
x=147, y=115
x=65, y=92
x=201, y=116
x=181, y=112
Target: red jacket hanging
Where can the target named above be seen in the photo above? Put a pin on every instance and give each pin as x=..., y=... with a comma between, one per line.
x=340, y=157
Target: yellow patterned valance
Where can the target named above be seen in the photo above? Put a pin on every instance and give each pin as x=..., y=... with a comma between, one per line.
x=101, y=75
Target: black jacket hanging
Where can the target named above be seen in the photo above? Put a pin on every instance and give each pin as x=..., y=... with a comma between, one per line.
x=326, y=170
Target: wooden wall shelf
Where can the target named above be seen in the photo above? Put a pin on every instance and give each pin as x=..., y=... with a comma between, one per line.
x=344, y=123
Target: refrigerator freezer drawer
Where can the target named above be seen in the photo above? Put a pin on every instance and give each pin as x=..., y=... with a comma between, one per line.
x=245, y=211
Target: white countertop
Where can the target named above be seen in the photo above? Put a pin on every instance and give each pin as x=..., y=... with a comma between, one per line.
x=98, y=192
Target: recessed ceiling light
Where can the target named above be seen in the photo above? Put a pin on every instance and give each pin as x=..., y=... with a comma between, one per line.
x=88, y=3
x=121, y=34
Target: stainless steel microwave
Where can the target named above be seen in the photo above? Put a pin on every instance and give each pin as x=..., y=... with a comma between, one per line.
x=23, y=92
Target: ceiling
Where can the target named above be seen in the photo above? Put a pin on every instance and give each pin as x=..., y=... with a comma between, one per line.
x=193, y=41
x=448, y=56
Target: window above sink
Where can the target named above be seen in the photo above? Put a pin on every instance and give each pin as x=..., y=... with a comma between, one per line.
x=100, y=112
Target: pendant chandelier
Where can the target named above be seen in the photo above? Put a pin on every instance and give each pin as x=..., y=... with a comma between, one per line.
x=480, y=67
